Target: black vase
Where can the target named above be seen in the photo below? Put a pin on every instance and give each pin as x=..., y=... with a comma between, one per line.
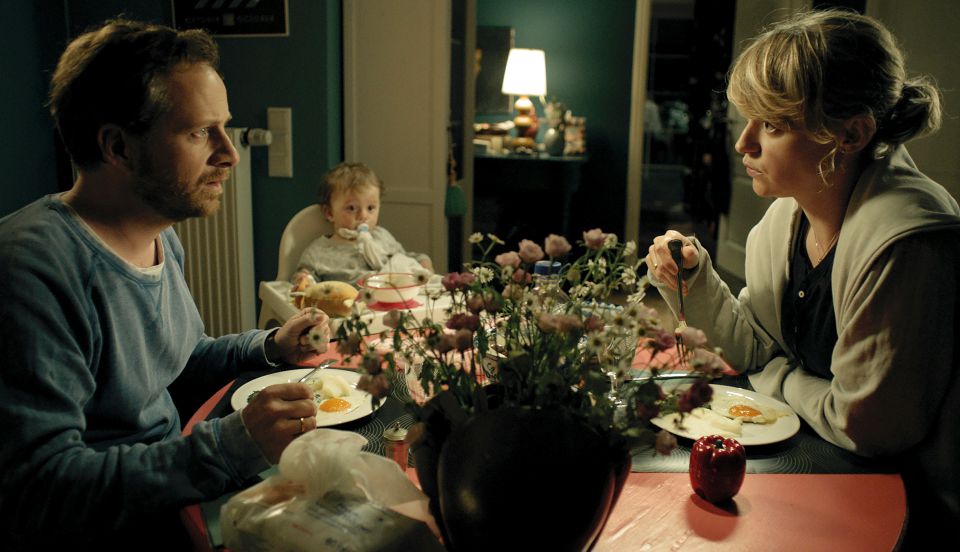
x=520, y=479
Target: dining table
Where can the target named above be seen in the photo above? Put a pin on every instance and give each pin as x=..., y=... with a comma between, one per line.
x=799, y=493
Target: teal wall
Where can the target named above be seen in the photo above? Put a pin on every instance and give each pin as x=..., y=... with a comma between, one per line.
x=589, y=53
x=301, y=71
x=27, y=138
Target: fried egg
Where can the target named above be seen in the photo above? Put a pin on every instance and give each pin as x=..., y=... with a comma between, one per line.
x=332, y=410
x=335, y=398
x=744, y=409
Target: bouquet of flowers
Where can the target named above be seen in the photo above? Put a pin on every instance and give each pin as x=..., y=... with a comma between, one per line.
x=544, y=341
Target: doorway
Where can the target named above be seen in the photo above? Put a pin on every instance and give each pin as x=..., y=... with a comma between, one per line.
x=685, y=174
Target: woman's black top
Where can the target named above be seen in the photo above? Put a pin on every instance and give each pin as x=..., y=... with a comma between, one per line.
x=808, y=324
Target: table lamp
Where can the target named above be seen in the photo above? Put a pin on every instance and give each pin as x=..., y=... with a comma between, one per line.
x=525, y=76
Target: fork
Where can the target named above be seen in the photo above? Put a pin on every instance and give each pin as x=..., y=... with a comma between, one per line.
x=321, y=366
x=675, y=247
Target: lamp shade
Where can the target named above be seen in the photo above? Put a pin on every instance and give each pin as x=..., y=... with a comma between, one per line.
x=526, y=73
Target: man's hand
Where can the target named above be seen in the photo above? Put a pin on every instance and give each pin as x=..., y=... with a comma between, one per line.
x=277, y=415
x=301, y=339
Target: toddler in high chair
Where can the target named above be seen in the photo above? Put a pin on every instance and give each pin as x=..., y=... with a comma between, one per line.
x=350, y=197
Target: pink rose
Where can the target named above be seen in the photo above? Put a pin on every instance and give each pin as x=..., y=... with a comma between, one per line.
x=446, y=343
x=464, y=339
x=665, y=442
x=530, y=252
x=594, y=238
x=475, y=303
x=464, y=320
x=350, y=345
x=593, y=324
x=561, y=323
x=557, y=246
x=451, y=281
x=467, y=278
x=521, y=276
x=697, y=395
x=378, y=385
x=392, y=318
x=693, y=338
x=491, y=301
x=510, y=258
x=663, y=340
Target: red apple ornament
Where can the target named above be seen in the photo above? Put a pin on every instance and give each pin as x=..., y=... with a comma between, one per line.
x=717, y=467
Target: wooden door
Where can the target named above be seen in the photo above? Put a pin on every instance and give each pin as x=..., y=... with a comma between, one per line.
x=396, y=101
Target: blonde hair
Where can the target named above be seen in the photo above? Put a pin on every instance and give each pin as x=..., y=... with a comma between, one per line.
x=347, y=177
x=817, y=69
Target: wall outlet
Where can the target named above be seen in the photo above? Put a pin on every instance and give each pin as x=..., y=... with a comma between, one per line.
x=280, y=125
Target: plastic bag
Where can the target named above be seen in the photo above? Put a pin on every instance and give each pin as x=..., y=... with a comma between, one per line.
x=329, y=495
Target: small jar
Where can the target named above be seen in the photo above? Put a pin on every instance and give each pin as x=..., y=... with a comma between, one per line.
x=395, y=443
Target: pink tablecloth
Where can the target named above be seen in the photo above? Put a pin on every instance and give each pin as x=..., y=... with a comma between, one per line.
x=783, y=512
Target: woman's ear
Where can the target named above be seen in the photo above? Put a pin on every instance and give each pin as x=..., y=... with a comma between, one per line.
x=113, y=145
x=857, y=133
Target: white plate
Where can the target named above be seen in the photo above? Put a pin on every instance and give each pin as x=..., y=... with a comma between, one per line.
x=752, y=434
x=324, y=419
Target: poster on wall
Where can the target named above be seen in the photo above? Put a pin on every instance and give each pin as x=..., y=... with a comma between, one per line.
x=232, y=17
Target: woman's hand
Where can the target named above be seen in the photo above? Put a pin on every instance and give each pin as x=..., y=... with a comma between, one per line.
x=660, y=263
x=302, y=339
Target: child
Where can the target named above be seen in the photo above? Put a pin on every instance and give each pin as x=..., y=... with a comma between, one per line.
x=350, y=197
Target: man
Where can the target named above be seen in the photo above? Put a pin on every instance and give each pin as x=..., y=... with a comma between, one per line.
x=97, y=320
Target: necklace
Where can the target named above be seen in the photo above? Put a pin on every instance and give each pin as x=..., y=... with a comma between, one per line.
x=820, y=249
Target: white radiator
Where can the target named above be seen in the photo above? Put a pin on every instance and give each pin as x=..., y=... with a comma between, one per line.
x=219, y=254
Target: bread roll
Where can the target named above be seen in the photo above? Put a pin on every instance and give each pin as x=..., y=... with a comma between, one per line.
x=334, y=298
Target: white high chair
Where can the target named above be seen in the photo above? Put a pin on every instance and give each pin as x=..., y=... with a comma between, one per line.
x=305, y=226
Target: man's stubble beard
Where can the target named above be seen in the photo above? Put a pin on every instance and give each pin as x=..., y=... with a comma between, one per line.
x=175, y=200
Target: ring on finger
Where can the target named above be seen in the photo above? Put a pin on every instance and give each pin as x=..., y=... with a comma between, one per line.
x=302, y=429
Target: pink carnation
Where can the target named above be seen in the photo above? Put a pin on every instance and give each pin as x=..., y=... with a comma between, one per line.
x=510, y=258
x=557, y=246
x=594, y=238
x=530, y=252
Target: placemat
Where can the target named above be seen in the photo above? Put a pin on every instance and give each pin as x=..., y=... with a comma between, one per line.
x=805, y=452
x=392, y=410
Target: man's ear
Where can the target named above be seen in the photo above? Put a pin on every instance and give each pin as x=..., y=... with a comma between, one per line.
x=114, y=147
x=857, y=133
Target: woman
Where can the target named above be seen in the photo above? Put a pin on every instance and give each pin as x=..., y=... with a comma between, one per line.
x=849, y=309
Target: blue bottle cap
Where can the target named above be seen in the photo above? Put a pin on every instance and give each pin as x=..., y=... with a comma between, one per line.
x=547, y=267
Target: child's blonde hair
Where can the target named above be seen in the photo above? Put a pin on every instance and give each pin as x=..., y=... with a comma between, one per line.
x=817, y=69
x=347, y=177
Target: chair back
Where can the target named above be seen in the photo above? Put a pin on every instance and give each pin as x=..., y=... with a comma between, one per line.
x=305, y=226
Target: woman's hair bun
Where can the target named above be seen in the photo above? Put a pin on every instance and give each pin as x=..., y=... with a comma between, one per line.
x=916, y=113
